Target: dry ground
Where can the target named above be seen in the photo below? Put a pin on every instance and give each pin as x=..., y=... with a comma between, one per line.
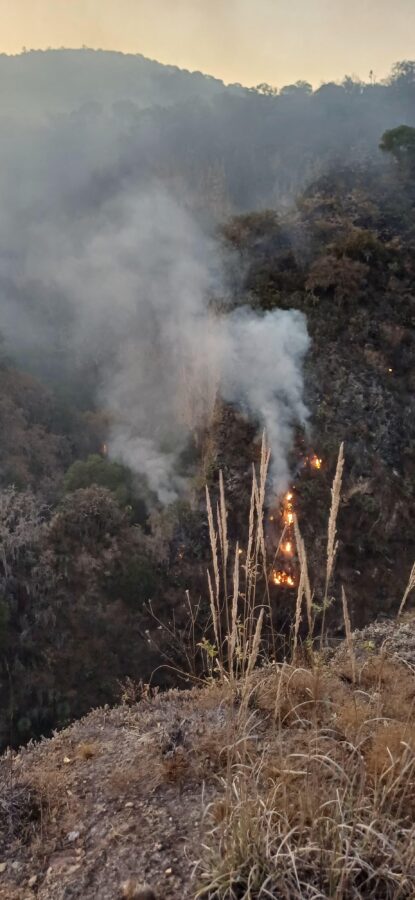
x=121, y=794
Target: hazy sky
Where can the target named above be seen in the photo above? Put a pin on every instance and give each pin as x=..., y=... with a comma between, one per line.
x=238, y=40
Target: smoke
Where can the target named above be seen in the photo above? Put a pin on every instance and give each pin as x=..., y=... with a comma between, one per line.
x=263, y=373
x=132, y=287
x=107, y=275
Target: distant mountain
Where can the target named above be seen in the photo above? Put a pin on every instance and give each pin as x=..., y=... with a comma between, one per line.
x=63, y=80
x=78, y=127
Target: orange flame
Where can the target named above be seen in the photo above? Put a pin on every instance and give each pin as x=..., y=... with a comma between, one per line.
x=283, y=578
x=316, y=462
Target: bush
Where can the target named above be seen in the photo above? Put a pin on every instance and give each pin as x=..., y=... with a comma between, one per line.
x=97, y=470
x=134, y=583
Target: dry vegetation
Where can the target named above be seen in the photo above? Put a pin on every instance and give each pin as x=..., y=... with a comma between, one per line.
x=318, y=799
x=297, y=779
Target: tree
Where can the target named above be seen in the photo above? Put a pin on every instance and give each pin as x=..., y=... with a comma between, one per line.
x=343, y=279
x=299, y=89
x=403, y=73
x=117, y=478
x=86, y=517
x=266, y=89
x=400, y=143
x=21, y=518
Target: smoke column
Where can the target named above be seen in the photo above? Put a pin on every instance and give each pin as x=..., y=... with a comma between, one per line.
x=121, y=281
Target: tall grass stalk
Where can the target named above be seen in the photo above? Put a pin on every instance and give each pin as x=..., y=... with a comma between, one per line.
x=409, y=587
x=237, y=618
x=332, y=543
x=349, y=636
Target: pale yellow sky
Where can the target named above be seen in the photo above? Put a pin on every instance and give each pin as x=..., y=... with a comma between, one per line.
x=238, y=40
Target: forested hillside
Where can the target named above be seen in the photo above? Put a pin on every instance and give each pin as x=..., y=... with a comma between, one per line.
x=95, y=120
x=98, y=574
x=182, y=264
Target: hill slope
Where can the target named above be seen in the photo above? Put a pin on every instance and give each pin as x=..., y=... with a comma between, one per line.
x=119, y=799
x=62, y=80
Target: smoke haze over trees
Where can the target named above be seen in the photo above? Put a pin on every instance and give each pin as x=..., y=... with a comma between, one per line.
x=95, y=119
x=166, y=240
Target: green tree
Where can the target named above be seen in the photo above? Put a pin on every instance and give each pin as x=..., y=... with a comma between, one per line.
x=117, y=478
x=400, y=143
x=299, y=89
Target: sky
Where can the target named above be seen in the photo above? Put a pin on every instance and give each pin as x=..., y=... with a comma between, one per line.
x=247, y=41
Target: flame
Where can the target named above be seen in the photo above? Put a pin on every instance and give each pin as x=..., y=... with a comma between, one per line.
x=286, y=514
x=283, y=578
x=104, y=449
x=316, y=462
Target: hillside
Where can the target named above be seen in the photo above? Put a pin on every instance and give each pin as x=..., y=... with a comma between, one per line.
x=103, y=578
x=80, y=126
x=157, y=792
x=207, y=483
x=60, y=81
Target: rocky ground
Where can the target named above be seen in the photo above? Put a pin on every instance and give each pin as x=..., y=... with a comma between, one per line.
x=112, y=802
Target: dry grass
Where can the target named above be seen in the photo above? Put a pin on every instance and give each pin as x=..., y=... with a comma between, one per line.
x=409, y=587
x=87, y=750
x=349, y=636
x=237, y=616
x=317, y=797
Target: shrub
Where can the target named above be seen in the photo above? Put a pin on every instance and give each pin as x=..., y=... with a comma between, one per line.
x=117, y=478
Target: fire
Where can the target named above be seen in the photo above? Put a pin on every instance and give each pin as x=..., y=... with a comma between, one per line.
x=288, y=509
x=104, y=449
x=316, y=462
x=283, y=578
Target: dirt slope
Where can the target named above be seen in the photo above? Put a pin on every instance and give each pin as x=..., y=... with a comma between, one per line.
x=117, y=799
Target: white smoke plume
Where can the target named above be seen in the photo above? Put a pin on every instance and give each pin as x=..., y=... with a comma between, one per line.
x=120, y=281
x=133, y=286
x=262, y=371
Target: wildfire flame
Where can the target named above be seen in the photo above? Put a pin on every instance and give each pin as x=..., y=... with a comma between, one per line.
x=316, y=462
x=283, y=578
x=288, y=514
